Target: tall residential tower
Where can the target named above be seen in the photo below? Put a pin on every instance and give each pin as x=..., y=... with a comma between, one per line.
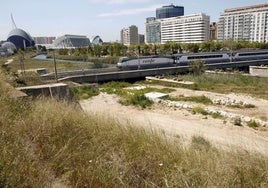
x=152, y=31
x=169, y=11
x=171, y=24
x=185, y=29
x=248, y=23
x=130, y=35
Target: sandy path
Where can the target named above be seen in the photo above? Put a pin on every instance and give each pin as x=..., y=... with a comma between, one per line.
x=180, y=123
x=9, y=61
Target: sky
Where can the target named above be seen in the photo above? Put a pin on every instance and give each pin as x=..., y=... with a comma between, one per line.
x=97, y=17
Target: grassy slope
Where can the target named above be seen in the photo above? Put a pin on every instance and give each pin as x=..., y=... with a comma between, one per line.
x=44, y=141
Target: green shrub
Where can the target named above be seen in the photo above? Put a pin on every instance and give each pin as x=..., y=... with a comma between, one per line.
x=115, y=87
x=137, y=99
x=253, y=124
x=199, y=110
x=249, y=106
x=197, y=67
x=216, y=115
x=198, y=99
x=84, y=92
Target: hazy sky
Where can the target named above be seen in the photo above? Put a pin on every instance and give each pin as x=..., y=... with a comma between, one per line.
x=97, y=17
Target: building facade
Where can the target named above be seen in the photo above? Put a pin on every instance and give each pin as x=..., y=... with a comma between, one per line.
x=213, y=31
x=20, y=38
x=43, y=40
x=130, y=35
x=169, y=11
x=152, y=31
x=185, y=29
x=71, y=41
x=96, y=40
x=141, y=39
x=248, y=23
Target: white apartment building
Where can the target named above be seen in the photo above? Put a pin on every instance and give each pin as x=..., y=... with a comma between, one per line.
x=248, y=23
x=185, y=29
x=130, y=35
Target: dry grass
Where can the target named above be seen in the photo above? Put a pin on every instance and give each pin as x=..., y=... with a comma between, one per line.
x=45, y=141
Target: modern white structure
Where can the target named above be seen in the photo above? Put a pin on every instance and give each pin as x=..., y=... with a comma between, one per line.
x=248, y=23
x=185, y=29
x=96, y=40
x=71, y=41
x=130, y=35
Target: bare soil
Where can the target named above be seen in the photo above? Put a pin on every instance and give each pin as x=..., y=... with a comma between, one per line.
x=183, y=124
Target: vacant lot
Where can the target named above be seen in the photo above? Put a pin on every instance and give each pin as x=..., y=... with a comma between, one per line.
x=182, y=123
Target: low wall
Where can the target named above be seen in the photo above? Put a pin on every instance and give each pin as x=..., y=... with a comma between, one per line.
x=59, y=91
x=261, y=71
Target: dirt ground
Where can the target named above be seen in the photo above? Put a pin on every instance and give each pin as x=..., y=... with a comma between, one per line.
x=182, y=123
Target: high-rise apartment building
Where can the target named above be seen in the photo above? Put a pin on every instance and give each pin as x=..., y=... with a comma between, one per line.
x=169, y=11
x=170, y=24
x=185, y=29
x=130, y=35
x=248, y=23
x=141, y=39
x=152, y=31
x=213, y=30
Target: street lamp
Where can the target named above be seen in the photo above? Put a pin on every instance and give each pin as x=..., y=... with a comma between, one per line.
x=55, y=64
x=139, y=66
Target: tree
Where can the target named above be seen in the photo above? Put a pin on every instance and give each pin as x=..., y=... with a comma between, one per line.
x=193, y=47
x=63, y=51
x=145, y=49
x=97, y=50
x=197, y=67
x=206, y=46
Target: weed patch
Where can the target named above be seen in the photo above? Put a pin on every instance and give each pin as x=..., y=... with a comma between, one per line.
x=253, y=124
x=198, y=99
x=84, y=91
x=199, y=110
x=137, y=99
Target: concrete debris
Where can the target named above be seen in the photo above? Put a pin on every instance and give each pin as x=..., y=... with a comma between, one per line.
x=155, y=95
x=175, y=104
x=229, y=102
x=174, y=80
x=136, y=88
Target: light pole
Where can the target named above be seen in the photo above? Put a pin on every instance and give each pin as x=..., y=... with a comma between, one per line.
x=55, y=66
x=21, y=60
x=139, y=66
x=231, y=49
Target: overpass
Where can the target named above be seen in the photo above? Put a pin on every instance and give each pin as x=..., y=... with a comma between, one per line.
x=135, y=74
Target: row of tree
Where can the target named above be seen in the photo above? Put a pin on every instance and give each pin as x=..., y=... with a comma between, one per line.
x=117, y=50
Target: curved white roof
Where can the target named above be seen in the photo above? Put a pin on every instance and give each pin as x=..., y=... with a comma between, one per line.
x=20, y=32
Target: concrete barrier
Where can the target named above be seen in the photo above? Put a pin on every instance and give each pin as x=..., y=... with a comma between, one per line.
x=261, y=71
x=59, y=91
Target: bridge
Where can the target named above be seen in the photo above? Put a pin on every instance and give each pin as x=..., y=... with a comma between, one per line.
x=114, y=74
